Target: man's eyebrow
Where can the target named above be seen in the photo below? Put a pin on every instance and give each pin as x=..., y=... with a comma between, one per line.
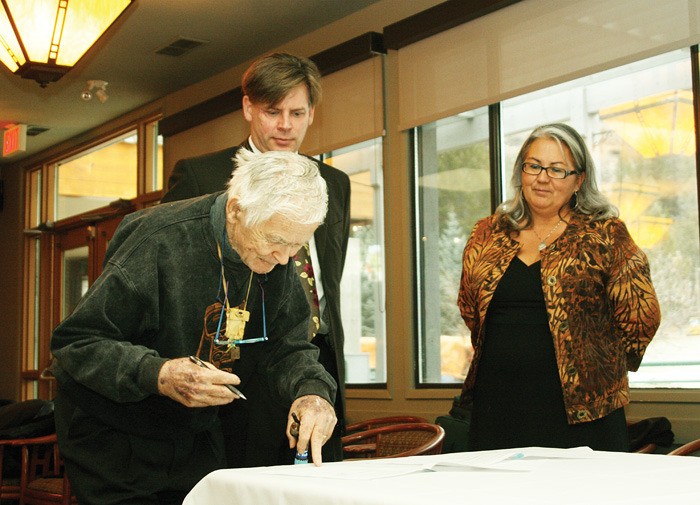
x=277, y=239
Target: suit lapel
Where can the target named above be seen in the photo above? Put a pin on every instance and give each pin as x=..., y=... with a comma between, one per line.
x=320, y=236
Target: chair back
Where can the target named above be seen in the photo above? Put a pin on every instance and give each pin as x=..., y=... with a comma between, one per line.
x=9, y=472
x=42, y=478
x=686, y=449
x=20, y=421
x=393, y=441
x=382, y=421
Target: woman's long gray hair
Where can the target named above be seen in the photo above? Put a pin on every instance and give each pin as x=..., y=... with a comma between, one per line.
x=278, y=182
x=515, y=214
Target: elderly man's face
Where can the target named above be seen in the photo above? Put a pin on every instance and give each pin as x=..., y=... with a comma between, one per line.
x=269, y=244
x=281, y=126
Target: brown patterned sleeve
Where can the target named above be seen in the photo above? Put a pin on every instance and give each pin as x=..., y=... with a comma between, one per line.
x=467, y=299
x=635, y=308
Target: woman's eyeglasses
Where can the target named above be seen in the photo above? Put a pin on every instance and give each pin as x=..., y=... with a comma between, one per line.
x=553, y=172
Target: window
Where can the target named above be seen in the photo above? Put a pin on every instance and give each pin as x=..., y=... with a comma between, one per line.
x=362, y=286
x=153, y=155
x=118, y=174
x=638, y=120
x=94, y=178
x=453, y=191
x=33, y=294
x=109, y=171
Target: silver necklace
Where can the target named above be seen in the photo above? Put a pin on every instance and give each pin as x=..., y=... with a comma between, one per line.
x=543, y=241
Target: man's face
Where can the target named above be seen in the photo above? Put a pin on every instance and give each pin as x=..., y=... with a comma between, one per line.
x=280, y=126
x=267, y=245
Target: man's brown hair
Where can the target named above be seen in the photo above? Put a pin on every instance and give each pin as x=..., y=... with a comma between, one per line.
x=269, y=78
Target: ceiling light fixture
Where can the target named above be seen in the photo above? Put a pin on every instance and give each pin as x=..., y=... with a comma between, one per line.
x=100, y=88
x=44, y=39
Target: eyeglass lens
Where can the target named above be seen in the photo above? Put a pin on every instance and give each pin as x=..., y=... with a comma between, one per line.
x=553, y=172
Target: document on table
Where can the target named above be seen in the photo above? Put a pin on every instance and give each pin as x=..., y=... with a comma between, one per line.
x=385, y=468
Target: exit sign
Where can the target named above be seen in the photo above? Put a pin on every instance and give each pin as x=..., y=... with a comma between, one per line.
x=14, y=139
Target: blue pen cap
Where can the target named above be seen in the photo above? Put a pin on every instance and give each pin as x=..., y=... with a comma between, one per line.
x=301, y=458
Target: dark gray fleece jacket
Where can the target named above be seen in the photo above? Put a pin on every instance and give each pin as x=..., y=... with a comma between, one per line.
x=162, y=271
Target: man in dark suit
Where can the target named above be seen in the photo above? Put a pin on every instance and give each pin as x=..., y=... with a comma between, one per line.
x=280, y=93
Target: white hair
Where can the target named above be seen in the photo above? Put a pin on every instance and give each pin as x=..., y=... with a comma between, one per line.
x=278, y=182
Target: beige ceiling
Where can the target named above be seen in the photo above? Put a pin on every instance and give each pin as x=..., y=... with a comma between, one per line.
x=236, y=31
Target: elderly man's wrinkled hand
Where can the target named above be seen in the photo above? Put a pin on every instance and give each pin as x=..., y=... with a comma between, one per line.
x=195, y=386
x=317, y=420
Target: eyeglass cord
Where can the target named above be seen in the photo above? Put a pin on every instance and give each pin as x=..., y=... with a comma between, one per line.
x=223, y=283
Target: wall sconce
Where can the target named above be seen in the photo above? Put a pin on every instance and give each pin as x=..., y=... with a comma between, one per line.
x=44, y=39
x=100, y=92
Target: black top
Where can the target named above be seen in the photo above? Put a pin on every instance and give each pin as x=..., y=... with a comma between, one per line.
x=518, y=400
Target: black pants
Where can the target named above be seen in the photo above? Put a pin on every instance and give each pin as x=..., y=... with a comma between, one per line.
x=332, y=449
x=109, y=467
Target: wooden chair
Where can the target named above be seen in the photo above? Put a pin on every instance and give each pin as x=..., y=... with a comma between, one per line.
x=9, y=476
x=393, y=441
x=382, y=421
x=686, y=449
x=649, y=448
x=42, y=479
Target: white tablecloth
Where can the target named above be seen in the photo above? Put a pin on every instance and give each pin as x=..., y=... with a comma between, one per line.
x=536, y=476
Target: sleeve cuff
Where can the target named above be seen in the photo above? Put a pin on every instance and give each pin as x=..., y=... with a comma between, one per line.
x=149, y=369
x=318, y=388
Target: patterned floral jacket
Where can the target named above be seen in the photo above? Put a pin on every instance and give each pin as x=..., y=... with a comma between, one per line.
x=601, y=305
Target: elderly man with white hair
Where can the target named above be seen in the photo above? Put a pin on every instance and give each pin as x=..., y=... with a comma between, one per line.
x=198, y=306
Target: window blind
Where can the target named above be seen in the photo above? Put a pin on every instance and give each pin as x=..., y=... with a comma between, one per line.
x=531, y=45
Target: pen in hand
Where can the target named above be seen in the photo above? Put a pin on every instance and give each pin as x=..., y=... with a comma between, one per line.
x=231, y=387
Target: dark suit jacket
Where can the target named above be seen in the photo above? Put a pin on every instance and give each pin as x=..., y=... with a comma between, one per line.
x=210, y=172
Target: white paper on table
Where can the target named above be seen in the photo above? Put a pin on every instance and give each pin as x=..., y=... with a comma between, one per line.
x=582, y=452
x=474, y=460
x=386, y=468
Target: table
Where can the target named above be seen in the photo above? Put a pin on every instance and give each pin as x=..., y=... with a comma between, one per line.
x=527, y=476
